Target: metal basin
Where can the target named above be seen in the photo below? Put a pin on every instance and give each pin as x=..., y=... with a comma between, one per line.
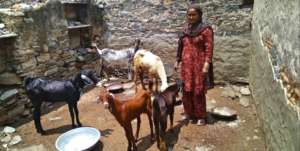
x=79, y=139
x=114, y=87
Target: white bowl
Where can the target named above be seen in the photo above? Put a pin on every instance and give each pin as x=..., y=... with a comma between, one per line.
x=78, y=139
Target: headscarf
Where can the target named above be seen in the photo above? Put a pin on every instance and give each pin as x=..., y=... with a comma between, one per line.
x=194, y=29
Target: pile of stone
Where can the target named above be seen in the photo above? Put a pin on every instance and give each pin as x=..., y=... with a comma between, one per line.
x=9, y=138
x=3, y=31
x=240, y=93
x=20, y=3
x=12, y=104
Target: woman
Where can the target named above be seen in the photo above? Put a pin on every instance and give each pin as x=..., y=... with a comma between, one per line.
x=194, y=55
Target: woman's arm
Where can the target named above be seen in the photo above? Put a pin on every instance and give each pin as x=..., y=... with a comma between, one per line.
x=208, y=43
x=179, y=53
x=179, y=49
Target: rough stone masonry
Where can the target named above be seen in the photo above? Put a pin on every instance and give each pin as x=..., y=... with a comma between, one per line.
x=41, y=46
x=275, y=71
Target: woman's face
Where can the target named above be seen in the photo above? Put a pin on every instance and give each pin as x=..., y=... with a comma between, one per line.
x=193, y=16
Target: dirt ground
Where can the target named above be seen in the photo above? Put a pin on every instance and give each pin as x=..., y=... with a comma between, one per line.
x=243, y=134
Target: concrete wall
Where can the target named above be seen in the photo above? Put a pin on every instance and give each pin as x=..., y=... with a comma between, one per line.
x=275, y=71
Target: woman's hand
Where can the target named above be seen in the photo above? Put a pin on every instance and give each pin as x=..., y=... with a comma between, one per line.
x=177, y=65
x=205, y=67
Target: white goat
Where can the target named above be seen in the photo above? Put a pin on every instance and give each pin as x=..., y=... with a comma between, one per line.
x=146, y=62
x=121, y=57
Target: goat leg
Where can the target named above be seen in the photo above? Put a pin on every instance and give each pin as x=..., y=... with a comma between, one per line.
x=129, y=72
x=156, y=85
x=135, y=79
x=163, y=127
x=128, y=138
x=151, y=124
x=163, y=145
x=156, y=126
x=142, y=80
x=37, y=119
x=77, y=114
x=132, y=138
x=171, y=119
x=138, y=128
x=71, y=106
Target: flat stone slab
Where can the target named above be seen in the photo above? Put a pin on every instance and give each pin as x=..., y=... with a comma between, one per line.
x=10, y=35
x=8, y=130
x=224, y=113
x=245, y=91
x=15, y=140
x=8, y=94
x=244, y=101
x=32, y=148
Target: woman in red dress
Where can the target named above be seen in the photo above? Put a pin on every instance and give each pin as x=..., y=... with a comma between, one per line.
x=194, y=55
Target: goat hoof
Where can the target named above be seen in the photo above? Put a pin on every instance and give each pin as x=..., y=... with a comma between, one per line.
x=79, y=125
x=42, y=132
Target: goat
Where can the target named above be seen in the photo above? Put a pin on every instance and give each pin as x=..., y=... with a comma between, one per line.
x=39, y=90
x=163, y=105
x=148, y=63
x=126, y=111
x=118, y=57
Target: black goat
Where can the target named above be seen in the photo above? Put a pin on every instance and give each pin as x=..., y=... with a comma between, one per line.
x=39, y=90
x=163, y=105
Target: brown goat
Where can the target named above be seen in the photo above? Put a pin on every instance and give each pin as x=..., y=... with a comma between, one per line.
x=163, y=105
x=126, y=111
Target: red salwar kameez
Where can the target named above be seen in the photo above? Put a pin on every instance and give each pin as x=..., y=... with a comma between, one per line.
x=196, y=50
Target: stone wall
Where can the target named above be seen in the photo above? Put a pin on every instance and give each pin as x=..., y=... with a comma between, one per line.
x=274, y=71
x=40, y=49
x=157, y=24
